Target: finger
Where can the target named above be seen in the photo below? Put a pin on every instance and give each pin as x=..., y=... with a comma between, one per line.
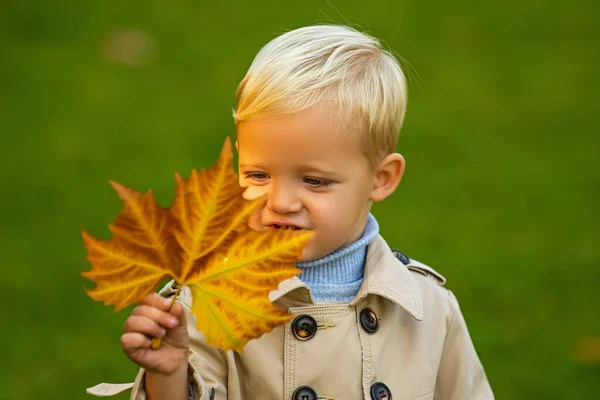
x=139, y=324
x=131, y=342
x=155, y=300
x=157, y=315
x=177, y=310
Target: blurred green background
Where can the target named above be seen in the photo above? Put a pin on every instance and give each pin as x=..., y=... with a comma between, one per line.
x=501, y=191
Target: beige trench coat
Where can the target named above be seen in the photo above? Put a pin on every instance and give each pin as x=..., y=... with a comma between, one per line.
x=413, y=344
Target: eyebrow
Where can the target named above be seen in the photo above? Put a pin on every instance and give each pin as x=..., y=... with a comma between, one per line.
x=317, y=168
x=302, y=167
x=250, y=166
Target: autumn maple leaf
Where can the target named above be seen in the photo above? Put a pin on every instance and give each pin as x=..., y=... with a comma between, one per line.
x=203, y=241
x=141, y=253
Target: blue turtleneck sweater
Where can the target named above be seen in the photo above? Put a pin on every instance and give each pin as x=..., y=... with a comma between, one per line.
x=338, y=276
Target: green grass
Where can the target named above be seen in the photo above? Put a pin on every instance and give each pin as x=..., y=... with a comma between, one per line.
x=500, y=194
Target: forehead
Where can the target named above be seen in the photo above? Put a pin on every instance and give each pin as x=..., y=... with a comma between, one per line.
x=310, y=137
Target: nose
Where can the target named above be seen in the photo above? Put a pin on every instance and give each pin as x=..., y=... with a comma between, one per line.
x=282, y=199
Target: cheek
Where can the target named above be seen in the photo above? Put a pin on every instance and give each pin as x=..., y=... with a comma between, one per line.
x=254, y=192
x=339, y=212
x=331, y=214
x=254, y=222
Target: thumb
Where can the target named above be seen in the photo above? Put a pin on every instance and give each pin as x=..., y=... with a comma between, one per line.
x=178, y=335
x=178, y=312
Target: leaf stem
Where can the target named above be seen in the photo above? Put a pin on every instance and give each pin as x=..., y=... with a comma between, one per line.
x=175, y=297
x=155, y=343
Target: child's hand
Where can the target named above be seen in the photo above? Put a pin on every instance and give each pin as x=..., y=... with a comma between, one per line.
x=151, y=319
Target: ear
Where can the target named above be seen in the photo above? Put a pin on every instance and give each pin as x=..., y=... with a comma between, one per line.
x=387, y=176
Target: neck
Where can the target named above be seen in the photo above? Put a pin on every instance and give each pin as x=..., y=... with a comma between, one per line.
x=338, y=275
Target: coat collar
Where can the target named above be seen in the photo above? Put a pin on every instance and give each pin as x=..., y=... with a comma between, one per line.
x=385, y=276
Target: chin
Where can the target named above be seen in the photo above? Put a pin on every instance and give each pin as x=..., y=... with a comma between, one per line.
x=305, y=256
x=311, y=254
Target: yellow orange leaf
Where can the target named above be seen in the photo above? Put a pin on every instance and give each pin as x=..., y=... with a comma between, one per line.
x=208, y=208
x=140, y=254
x=203, y=240
x=231, y=294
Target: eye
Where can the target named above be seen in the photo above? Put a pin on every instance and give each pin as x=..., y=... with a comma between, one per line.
x=257, y=177
x=316, y=182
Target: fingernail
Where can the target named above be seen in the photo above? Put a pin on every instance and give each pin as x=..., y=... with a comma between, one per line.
x=166, y=302
x=173, y=321
x=162, y=332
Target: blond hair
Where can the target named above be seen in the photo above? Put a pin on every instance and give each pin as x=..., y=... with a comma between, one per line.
x=334, y=64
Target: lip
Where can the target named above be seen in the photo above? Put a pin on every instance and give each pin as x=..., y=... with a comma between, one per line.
x=280, y=224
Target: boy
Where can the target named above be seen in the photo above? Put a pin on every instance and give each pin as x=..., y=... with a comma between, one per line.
x=318, y=116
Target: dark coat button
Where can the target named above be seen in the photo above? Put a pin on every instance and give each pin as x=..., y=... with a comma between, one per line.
x=304, y=327
x=380, y=391
x=404, y=259
x=369, y=321
x=304, y=393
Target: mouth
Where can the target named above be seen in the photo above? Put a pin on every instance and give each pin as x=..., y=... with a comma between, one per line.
x=284, y=227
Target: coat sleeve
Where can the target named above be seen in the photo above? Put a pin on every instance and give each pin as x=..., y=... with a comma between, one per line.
x=461, y=375
x=208, y=369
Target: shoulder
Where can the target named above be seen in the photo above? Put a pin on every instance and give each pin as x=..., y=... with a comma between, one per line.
x=419, y=268
x=436, y=297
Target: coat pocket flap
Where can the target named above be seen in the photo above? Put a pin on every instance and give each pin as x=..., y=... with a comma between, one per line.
x=109, y=389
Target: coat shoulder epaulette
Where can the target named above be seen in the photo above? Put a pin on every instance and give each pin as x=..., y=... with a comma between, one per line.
x=419, y=267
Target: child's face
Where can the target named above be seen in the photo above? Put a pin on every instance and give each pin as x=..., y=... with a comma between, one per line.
x=316, y=178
